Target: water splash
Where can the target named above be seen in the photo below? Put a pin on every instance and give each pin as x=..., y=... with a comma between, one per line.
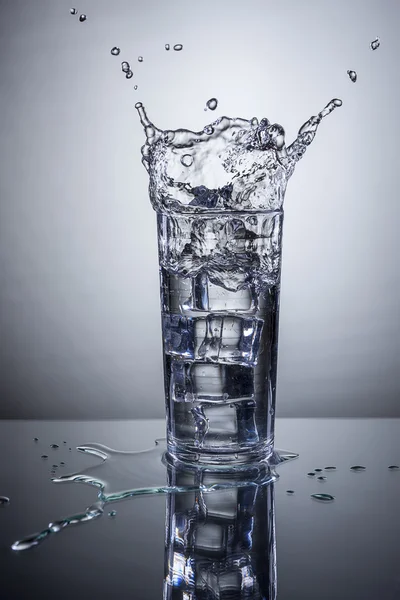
x=148, y=469
x=115, y=51
x=374, y=45
x=352, y=75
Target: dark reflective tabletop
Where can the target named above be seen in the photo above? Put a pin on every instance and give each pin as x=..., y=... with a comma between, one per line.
x=244, y=542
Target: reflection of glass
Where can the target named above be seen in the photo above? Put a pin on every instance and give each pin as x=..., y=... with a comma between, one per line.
x=219, y=544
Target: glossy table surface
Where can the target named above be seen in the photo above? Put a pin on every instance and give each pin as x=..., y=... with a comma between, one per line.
x=348, y=548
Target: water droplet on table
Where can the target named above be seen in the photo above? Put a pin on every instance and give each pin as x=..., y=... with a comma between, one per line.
x=178, y=47
x=54, y=446
x=125, y=67
x=212, y=103
x=393, y=467
x=82, y=18
x=187, y=160
x=140, y=58
x=115, y=51
x=167, y=46
x=112, y=513
x=330, y=468
x=375, y=43
x=323, y=497
x=4, y=500
x=73, y=11
x=352, y=75
x=129, y=74
x=357, y=468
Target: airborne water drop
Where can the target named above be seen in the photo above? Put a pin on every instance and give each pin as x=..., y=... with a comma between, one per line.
x=82, y=18
x=125, y=67
x=129, y=74
x=4, y=500
x=178, y=47
x=73, y=11
x=323, y=497
x=375, y=43
x=115, y=51
x=352, y=75
x=212, y=103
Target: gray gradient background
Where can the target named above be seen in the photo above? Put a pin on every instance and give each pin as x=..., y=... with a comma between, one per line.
x=79, y=313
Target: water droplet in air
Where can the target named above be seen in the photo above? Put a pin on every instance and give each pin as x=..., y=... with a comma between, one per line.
x=357, y=468
x=70, y=449
x=4, y=500
x=375, y=43
x=167, y=46
x=352, y=75
x=212, y=103
x=82, y=18
x=129, y=74
x=54, y=446
x=393, y=467
x=208, y=130
x=323, y=497
x=64, y=442
x=112, y=513
x=135, y=87
x=62, y=463
x=236, y=455
x=321, y=478
x=35, y=439
x=318, y=470
x=290, y=492
x=55, y=466
x=73, y=11
x=330, y=468
x=140, y=58
x=311, y=474
x=178, y=47
x=125, y=67
x=44, y=456
x=187, y=160
x=115, y=51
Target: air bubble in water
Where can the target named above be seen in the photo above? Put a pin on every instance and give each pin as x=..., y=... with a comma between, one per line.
x=112, y=513
x=4, y=500
x=323, y=497
x=208, y=130
x=140, y=58
x=129, y=74
x=375, y=43
x=54, y=446
x=393, y=467
x=167, y=46
x=115, y=51
x=44, y=456
x=82, y=18
x=73, y=11
x=125, y=67
x=187, y=160
x=357, y=468
x=178, y=47
x=212, y=103
x=352, y=75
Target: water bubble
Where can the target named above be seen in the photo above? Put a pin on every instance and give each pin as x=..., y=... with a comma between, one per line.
x=4, y=500
x=140, y=58
x=178, y=47
x=167, y=46
x=330, y=468
x=35, y=439
x=375, y=43
x=357, y=468
x=212, y=103
x=393, y=467
x=187, y=160
x=54, y=446
x=135, y=87
x=44, y=456
x=73, y=11
x=352, y=75
x=112, y=513
x=208, y=129
x=321, y=478
x=311, y=474
x=290, y=492
x=318, y=470
x=82, y=18
x=125, y=67
x=129, y=74
x=323, y=497
x=115, y=51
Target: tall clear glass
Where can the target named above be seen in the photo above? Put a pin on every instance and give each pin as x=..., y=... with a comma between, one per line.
x=219, y=274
